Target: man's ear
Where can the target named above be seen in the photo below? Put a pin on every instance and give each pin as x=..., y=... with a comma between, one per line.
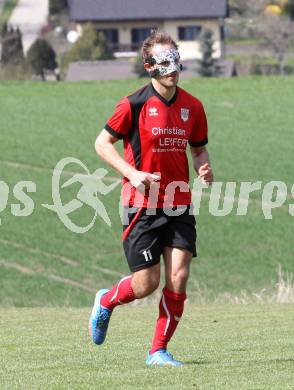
x=150, y=69
x=147, y=67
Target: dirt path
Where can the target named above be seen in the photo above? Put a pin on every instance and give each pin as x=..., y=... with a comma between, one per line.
x=30, y=16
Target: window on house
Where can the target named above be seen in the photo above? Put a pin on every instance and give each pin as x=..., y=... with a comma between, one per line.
x=188, y=33
x=139, y=34
x=111, y=34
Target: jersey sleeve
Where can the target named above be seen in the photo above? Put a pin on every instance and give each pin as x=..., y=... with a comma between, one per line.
x=120, y=123
x=199, y=134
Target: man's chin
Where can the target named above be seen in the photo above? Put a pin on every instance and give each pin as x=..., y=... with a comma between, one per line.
x=169, y=81
x=172, y=82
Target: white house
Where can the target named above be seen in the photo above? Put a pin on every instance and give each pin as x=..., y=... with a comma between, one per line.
x=126, y=23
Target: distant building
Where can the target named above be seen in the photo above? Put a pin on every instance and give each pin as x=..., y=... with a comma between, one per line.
x=126, y=23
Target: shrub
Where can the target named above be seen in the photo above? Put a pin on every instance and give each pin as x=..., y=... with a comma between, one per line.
x=102, y=50
x=138, y=68
x=41, y=57
x=90, y=46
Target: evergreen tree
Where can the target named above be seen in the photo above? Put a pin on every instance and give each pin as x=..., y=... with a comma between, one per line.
x=4, y=30
x=207, y=64
x=12, y=50
x=56, y=6
x=291, y=9
x=41, y=57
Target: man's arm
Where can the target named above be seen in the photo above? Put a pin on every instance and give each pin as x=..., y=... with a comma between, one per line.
x=201, y=164
x=105, y=148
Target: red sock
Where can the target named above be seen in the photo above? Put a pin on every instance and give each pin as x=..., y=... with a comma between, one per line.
x=171, y=308
x=120, y=293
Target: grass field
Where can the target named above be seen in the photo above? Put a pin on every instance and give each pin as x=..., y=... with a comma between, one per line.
x=224, y=348
x=251, y=138
x=48, y=275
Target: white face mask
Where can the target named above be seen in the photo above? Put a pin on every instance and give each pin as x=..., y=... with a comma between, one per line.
x=166, y=62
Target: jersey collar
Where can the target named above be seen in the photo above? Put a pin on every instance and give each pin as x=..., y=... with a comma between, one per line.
x=166, y=102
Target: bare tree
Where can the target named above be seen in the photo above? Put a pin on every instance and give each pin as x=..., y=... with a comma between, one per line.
x=244, y=20
x=277, y=34
x=247, y=7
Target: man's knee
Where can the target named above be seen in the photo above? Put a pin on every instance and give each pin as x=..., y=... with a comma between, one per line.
x=146, y=281
x=177, y=280
x=180, y=276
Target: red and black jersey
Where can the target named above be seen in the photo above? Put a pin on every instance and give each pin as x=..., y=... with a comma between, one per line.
x=155, y=134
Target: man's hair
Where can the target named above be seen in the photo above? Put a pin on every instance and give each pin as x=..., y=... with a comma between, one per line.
x=156, y=37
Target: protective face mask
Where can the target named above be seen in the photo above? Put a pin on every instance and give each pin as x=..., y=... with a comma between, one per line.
x=166, y=62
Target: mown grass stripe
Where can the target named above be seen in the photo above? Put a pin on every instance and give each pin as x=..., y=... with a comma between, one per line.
x=13, y=164
x=56, y=278
x=63, y=259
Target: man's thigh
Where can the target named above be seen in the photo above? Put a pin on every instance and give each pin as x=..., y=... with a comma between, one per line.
x=142, y=245
x=180, y=232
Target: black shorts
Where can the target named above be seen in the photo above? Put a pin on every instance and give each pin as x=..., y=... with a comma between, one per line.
x=147, y=235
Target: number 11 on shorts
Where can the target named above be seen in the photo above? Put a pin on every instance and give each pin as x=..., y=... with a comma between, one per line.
x=147, y=255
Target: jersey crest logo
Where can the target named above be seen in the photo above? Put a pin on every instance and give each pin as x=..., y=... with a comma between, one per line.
x=185, y=114
x=153, y=111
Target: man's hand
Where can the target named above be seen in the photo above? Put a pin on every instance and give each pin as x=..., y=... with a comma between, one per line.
x=104, y=146
x=202, y=164
x=142, y=180
x=205, y=174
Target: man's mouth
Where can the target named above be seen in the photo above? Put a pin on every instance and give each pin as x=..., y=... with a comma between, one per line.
x=172, y=75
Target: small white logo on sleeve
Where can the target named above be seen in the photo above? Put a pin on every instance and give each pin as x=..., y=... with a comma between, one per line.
x=185, y=114
x=147, y=255
x=153, y=111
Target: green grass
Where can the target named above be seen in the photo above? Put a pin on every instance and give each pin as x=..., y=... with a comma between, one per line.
x=251, y=138
x=224, y=347
x=257, y=59
x=7, y=11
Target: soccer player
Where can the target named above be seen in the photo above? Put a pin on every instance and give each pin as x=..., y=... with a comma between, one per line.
x=156, y=123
